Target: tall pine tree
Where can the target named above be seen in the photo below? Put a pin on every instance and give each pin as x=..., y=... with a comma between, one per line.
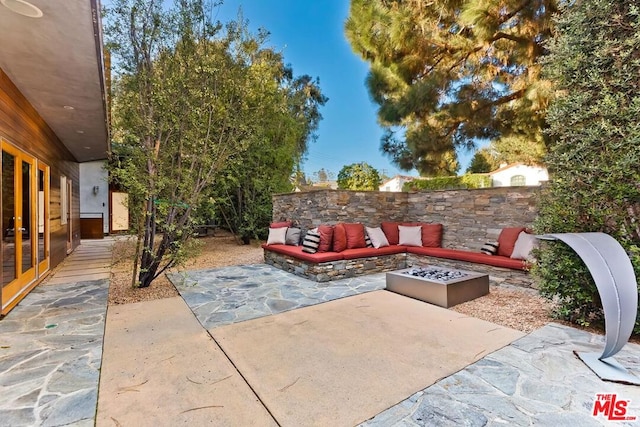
x=446, y=72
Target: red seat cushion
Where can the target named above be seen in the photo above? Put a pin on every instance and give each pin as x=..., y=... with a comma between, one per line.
x=475, y=257
x=390, y=229
x=355, y=235
x=326, y=238
x=507, y=240
x=339, y=238
x=296, y=252
x=369, y=252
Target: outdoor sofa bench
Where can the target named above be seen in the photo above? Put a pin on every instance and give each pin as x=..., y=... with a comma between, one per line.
x=332, y=265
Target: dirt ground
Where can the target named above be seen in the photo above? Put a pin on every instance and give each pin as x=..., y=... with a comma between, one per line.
x=216, y=251
x=512, y=307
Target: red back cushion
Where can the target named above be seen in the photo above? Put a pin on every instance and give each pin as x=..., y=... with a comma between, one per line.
x=507, y=240
x=390, y=229
x=355, y=236
x=281, y=224
x=339, y=238
x=431, y=235
x=326, y=238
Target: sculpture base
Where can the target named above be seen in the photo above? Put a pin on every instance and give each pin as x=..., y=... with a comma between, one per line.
x=608, y=369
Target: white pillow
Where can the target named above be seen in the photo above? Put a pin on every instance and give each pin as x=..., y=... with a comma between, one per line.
x=377, y=236
x=277, y=236
x=524, y=245
x=410, y=236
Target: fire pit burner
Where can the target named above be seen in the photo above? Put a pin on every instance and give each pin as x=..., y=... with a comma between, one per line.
x=433, y=273
x=439, y=285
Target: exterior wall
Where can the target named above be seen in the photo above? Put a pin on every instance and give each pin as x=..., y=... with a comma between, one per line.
x=534, y=175
x=313, y=208
x=23, y=127
x=470, y=217
x=93, y=174
x=473, y=217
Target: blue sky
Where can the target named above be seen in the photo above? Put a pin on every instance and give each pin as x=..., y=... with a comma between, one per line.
x=310, y=34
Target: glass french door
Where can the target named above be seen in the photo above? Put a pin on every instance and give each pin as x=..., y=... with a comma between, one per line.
x=44, y=179
x=22, y=182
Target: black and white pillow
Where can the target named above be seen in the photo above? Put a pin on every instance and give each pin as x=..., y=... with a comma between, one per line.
x=489, y=248
x=367, y=240
x=311, y=241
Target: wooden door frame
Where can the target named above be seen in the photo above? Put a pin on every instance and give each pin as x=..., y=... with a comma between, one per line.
x=69, y=203
x=44, y=264
x=24, y=281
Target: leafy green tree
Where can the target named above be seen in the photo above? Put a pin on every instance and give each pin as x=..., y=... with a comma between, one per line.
x=359, y=176
x=446, y=73
x=288, y=120
x=190, y=100
x=594, y=149
x=482, y=162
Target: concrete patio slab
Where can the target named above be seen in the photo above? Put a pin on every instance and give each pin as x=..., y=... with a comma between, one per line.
x=342, y=362
x=160, y=367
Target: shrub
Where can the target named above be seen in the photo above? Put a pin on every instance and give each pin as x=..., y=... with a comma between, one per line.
x=594, y=148
x=449, y=182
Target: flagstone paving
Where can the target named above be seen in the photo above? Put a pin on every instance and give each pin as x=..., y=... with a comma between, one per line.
x=50, y=355
x=534, y=381
x=222, y=296
x=51, y=344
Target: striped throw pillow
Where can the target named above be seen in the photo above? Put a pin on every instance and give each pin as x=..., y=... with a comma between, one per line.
x=311, y=242
x=367, y=240
x=489, y=248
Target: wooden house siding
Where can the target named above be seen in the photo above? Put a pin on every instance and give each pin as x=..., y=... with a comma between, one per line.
x=22, y=126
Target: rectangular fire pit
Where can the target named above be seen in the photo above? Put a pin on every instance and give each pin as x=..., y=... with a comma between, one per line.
x=441, y=286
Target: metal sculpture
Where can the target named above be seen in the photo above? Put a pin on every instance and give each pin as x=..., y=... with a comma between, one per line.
x=615, y=279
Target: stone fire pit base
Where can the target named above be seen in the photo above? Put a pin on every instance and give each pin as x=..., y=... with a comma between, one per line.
x=463, y=287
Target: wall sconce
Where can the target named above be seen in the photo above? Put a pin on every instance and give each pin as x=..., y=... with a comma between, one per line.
x=96, y=189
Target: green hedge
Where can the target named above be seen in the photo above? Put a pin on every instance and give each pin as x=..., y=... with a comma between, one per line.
x=449, y=182
x=594, y=149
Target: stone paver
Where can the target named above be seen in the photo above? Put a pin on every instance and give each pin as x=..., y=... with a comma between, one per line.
x=50, y=355
x=227, y=295
x=536, y=380
x=51, y=345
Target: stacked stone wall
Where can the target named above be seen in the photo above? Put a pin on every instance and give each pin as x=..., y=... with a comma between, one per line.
x=313, y=208
x=470, y=217
x=473, y=217
x=335, y=270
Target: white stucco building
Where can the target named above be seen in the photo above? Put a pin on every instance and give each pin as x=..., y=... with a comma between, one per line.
x=94, y=192
x=518, y=174
x=395, y=183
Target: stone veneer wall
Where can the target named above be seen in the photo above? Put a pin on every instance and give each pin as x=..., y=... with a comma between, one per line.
x=312, y=208
x=470, y=217
x=473, y=217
